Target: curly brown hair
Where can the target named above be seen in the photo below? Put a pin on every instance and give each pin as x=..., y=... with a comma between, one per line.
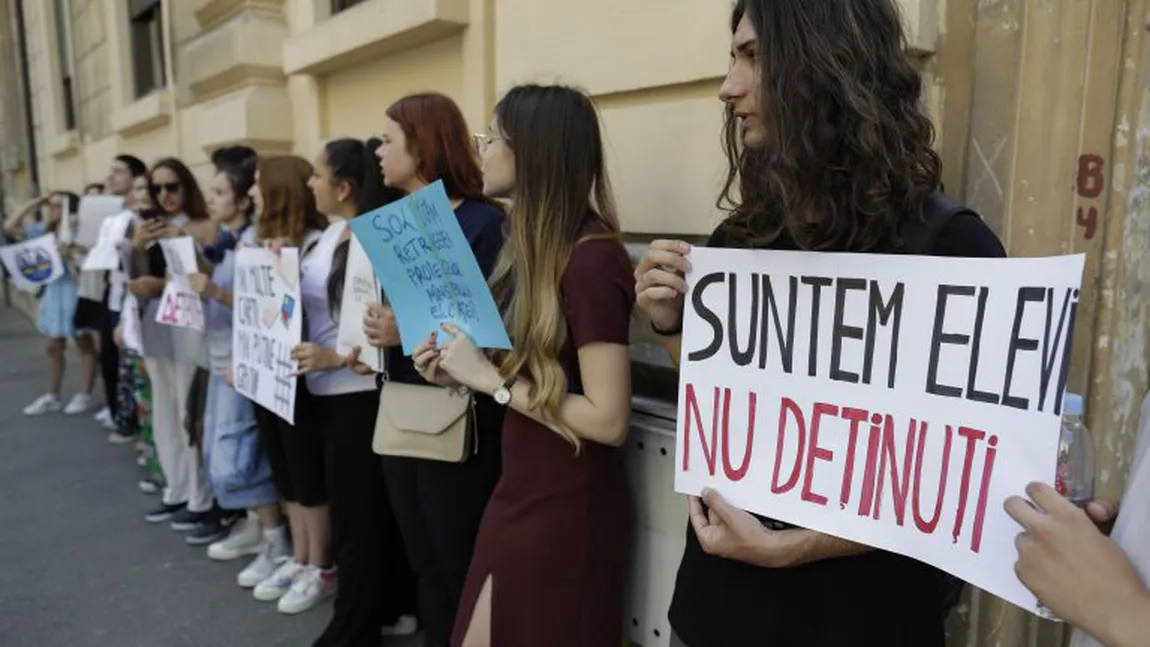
x=289, y=209
x=849, y=154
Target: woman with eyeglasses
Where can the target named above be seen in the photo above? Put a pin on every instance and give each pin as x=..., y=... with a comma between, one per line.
x=172, y=354
x=439, y=504
x=551, y=559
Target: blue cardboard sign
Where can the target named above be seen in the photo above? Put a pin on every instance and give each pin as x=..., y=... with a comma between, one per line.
x=428, y=271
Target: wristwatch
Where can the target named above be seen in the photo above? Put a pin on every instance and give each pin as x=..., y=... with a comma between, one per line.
x=502, y=395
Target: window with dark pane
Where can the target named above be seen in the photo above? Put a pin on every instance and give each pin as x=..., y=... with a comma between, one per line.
x=339, y=5
x=67, y=66
x=147, y=35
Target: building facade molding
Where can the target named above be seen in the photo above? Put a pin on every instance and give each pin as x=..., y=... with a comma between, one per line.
x=148, y=113
x=370, y=30
x=210, y=13
x=257, y=114
x=247, y=49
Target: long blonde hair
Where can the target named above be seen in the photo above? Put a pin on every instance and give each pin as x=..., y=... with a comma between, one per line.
x=561, y=186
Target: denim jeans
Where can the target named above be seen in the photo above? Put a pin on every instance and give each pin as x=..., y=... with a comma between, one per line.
x=233, y=456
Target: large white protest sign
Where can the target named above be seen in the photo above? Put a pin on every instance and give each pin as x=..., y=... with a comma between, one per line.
x=266, y=326
x=94, y=210
x=360, y=287
x=179, y=304
x=896, y=401
x=105, y=255
x=33, y=263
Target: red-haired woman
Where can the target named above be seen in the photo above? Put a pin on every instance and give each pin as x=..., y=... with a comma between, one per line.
x=439, y=504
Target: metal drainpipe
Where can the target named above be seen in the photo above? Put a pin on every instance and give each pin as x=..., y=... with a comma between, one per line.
x=170, y=74
x=25, y=80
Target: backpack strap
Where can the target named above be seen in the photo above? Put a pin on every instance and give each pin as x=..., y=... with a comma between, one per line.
x=919, y=234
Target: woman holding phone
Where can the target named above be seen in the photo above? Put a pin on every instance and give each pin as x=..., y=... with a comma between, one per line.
x=171, y=354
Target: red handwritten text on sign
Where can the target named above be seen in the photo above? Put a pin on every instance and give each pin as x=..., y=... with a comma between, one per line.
x=181, y=308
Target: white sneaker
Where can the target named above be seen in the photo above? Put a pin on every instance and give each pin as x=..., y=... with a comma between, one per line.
x=279, y=581
x=79, y=403
x=262, y=567
x=246, y=538
x=104, y=416
x=312, y=586
x=46, y=403
x=405, y=626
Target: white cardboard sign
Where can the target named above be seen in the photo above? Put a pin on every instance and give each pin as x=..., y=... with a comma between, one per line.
x=105, y=255
x=895, y=401
x=266, y=326
x=130, y=325
x=179, y=304
x=33, y=263
x=94, y=210
x=360, y=287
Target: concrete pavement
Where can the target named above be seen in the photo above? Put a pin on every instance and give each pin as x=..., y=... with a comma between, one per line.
x=79, y=566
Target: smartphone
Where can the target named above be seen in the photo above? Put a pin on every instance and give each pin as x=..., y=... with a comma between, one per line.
x=151, y=213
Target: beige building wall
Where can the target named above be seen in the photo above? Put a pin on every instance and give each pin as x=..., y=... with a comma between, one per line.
x=1041, y=107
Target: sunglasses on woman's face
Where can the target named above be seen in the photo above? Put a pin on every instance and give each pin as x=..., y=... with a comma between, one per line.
x=171, y=188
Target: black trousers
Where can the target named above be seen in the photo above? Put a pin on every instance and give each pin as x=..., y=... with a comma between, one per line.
x=109, y=358
x=376, y=584
x=439, y=506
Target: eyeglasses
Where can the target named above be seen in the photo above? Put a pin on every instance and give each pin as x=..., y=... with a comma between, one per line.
x=484, y=141
x=171, y=188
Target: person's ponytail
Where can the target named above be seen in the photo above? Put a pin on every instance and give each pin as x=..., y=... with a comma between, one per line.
x=356, y=163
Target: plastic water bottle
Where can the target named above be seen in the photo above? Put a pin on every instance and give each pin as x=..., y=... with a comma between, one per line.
x=1074, y=477
x=1075, y=471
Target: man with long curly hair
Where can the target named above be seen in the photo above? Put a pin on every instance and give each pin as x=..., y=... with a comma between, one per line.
x=830, y=152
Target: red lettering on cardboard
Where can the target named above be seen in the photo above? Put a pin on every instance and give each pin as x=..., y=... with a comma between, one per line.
x=692, y=407
x=857, y=417
x=789, y=407
x=984, y=490
x=817, y=453
x=928, y=527
x=738, y=474
x=899, y=486
x=972, y=437
x=871, y=464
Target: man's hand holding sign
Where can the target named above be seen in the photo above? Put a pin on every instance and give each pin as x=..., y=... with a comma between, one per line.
x=892, y=401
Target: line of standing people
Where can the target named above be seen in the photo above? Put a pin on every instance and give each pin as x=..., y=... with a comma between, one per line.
x=457, y=548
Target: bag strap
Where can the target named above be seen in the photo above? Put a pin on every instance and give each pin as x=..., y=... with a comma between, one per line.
x=919, y=234
x=310, y=240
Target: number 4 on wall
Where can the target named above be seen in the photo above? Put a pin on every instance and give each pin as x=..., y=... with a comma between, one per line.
x=1088, y=220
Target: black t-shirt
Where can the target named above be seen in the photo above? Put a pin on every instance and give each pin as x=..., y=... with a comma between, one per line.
x=878, y=599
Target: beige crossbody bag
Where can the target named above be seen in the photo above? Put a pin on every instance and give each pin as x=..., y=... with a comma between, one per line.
x=429, y=422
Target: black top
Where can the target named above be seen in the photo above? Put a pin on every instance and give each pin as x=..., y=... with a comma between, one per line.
x=878, y=599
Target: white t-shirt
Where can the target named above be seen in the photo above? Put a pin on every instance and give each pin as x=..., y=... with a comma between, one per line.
x=321, y=326
x=1133, y=525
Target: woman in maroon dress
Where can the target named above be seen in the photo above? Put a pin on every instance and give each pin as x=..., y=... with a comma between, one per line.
x=551, y=559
